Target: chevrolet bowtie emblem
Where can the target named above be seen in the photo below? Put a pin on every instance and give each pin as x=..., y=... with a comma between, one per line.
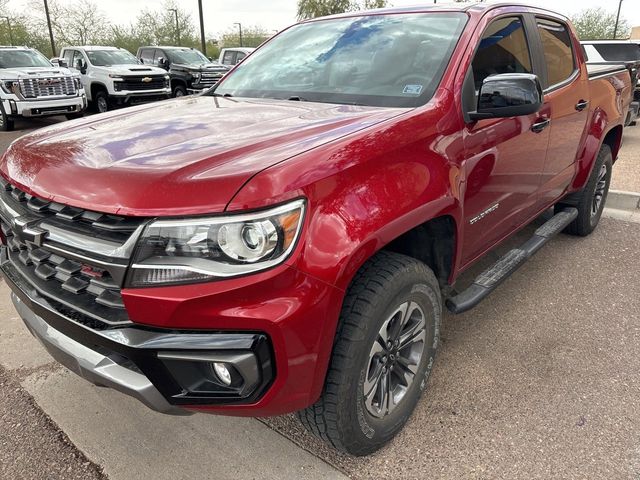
x=27, y=232
x=146, y=79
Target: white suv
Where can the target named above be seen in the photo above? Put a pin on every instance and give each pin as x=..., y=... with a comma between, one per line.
x=113, y=76
x=30, y=86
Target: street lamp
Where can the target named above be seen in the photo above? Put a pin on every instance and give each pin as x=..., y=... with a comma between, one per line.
x=615, y=30
x=175, y=11
x=239, y=28
x=9, y=26
x=53, y=44
x=203, y=44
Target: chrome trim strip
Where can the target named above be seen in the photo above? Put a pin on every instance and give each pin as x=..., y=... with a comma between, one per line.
x=92, y=365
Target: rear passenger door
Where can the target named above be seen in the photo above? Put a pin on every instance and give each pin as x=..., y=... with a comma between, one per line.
x=503, y=156
x=566, y=94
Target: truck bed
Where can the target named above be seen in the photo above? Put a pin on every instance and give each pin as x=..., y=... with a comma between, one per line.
x=604, y=69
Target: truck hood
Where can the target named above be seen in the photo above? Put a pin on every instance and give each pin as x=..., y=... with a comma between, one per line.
x=14, y=73
x=201, y=67
x=177, y=157
x=133, y=70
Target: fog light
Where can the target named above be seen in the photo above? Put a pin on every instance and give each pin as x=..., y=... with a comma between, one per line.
x=222, y=372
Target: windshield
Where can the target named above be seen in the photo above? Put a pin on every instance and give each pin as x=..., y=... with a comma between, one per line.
x=186, y=56
x=22, y=58
x=106, y=58
x=378, y=60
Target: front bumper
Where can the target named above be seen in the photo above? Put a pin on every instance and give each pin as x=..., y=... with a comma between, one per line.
x=41, y=108
x=92, y=365
x=135, y=97
x=160, y=367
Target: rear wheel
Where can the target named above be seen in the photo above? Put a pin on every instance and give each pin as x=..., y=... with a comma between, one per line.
x=6, y=123
x=591, y=199
x=383, y=354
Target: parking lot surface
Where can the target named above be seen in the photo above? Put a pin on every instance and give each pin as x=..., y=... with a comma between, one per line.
x=539, y=381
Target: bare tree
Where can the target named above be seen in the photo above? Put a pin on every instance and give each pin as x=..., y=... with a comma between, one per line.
x=320, y=8
x=598, y=24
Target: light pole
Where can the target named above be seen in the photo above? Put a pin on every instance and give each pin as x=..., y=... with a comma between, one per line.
x=239, y=28
x=9, y=26
x=53, y=44
x=615, y=30
x=203, y=44
x=175, y=11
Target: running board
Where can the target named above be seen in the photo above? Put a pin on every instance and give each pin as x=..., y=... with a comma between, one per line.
x=488, y=280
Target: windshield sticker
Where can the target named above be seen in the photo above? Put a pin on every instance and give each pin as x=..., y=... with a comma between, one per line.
x=412, y=89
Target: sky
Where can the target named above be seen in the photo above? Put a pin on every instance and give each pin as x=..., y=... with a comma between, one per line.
x=219, y=16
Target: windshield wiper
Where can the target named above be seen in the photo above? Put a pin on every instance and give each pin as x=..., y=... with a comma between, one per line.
x=296, y=98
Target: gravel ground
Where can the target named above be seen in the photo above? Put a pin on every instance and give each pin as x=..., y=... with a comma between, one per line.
x=540, y=381
x=626, y=172
x=31, y=444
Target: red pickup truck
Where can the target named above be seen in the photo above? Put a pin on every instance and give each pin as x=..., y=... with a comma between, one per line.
x=287, y=240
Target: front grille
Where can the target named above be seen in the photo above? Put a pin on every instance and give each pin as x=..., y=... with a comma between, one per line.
x=141, y=82
x=47, y=87
x=209, y=79
x=76, y=259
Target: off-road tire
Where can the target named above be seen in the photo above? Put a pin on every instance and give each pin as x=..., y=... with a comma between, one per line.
x=583, y=200
x=340, y=417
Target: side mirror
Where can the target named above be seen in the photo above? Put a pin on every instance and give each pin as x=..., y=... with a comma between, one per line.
x=59, y=62
x=508, y=95
x=163, y=63
x=80, y=65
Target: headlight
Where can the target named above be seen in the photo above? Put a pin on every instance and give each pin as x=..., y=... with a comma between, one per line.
x=196, y=77
x=203, y=249
x=115, y=76
x=10, y=86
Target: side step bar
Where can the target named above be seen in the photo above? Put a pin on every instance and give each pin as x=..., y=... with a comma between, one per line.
x=488, y=280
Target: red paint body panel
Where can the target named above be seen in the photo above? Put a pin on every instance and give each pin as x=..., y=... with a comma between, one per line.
x=368, y=174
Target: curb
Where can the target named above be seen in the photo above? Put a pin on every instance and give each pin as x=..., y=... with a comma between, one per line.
x=626, y=201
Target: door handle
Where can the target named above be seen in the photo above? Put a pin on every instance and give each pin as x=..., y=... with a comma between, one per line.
x=540, y=125
x=581, y=105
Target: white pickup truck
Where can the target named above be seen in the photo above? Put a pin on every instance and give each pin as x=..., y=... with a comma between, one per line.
x=30, y=86
x=113, y=76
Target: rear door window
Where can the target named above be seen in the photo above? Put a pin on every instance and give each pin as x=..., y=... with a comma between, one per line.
x=228, y=58
x=158, y=55
x=147, y=56
x=558, y=51
x=503, y=49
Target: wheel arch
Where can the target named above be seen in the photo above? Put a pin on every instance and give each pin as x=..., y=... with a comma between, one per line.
x=600, y=132
x=96, y=87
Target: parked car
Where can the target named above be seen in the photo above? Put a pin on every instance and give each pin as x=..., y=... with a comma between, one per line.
x=189, y=69
x=233, y=56
x=30, y=86
x=616, y=52
x=114, y=77
x=287, y=240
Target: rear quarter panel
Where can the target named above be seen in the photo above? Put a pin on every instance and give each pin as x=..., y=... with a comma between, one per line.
x=610, y=97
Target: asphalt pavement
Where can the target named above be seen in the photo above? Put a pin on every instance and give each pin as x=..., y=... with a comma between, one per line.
x=539, y=381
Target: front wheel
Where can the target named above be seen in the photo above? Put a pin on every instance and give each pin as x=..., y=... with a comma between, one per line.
x=6, y=123
x=591, y=199
x=101, y=102
x=383, y=354
x=179, y=91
